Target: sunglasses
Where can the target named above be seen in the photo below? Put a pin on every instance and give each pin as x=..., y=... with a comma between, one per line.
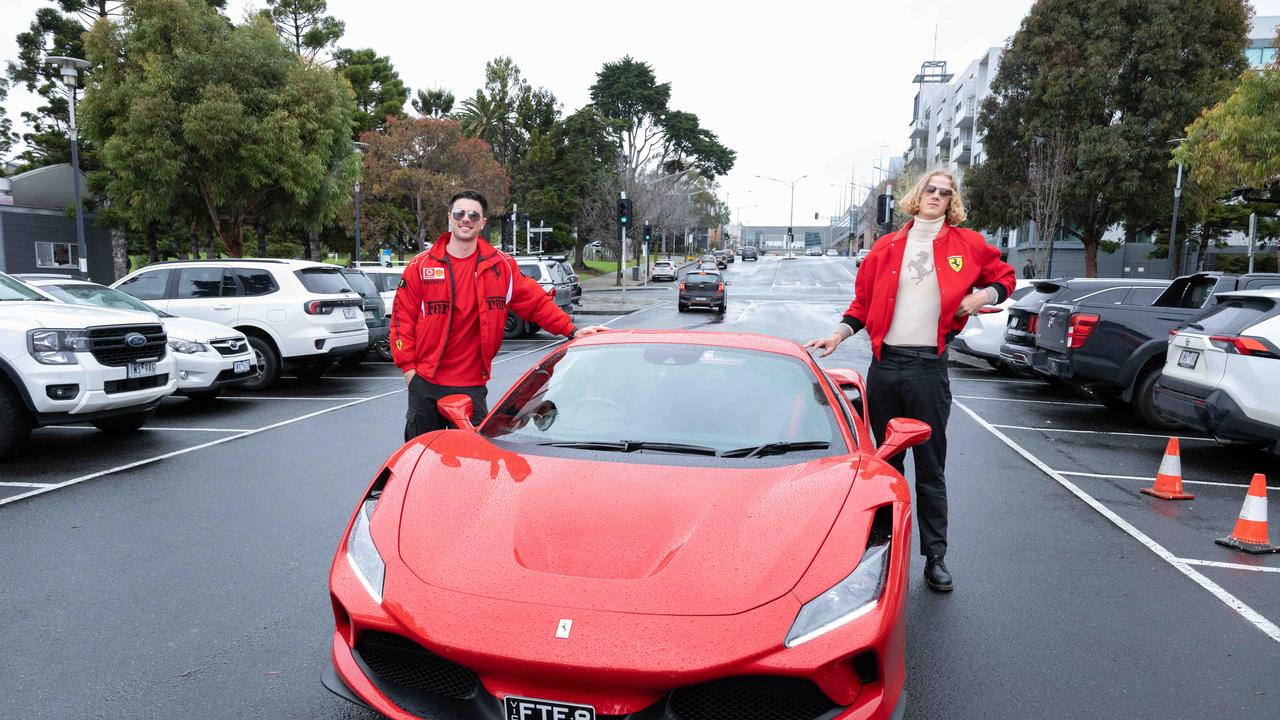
x=944, y=192
x=471, y=215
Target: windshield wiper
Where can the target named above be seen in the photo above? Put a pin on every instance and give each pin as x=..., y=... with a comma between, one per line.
x=776, y=448
x=627, y=446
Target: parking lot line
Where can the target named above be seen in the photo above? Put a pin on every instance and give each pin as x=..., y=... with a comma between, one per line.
x=154, y=429
x=1103, y=432
x=1230, y=566
x=997, y=380
x=7, y=483
x=1037, y=402
x=1271, y=488
x=275, y=397
x=1245, y=611
x=147, y=461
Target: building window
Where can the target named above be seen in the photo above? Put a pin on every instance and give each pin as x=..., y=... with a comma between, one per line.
x=57, y=255
x=1260, y=56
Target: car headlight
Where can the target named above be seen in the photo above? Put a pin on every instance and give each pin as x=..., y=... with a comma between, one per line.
x=186, y=347
x=362, y=555
x=57, y=347
x=846, y=601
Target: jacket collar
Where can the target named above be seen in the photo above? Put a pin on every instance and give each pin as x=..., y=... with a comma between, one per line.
x=440, y=248
x=902, y=233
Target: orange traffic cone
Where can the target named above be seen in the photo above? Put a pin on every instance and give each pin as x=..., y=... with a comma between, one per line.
x=1250, y=534
x=1168, y=483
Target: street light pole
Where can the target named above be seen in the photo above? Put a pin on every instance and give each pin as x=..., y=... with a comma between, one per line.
x=1177, y=201
x=792, y=214
x=355, y=253
x=71, y=68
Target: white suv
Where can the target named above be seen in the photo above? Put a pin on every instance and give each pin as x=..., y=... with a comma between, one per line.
x=1219, y=366
x=62, y=364
x=299, y=316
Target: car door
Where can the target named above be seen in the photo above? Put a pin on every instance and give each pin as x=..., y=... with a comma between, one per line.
x=149, y=286
x=206, y=293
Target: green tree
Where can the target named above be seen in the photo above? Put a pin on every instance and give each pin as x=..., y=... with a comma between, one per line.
x=1114, y=80
x=304, y=26
x=1236, y=143
x=435, y=102
x=379, y=91
x=210, y=124
x=7, y=136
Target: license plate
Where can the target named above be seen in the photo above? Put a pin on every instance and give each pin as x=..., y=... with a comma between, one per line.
x=519, y=708
x=349, y=312
x=141, y=369
x=368, y=314
x=241, y=366
x=1188, y=358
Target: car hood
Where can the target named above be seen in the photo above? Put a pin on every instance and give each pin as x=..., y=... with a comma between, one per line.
x=617, y=536
x=54, y=314
x=197, y=330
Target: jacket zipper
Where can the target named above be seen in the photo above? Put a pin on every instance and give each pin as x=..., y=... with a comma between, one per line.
x=448, y=320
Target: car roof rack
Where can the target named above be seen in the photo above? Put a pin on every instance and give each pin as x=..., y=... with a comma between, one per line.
x=274, y=261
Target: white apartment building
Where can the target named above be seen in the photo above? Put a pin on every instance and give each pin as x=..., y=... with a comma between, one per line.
x=943, y=129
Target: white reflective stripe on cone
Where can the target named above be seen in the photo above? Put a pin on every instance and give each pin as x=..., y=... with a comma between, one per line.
x=1255, y=509
x=1170, y=465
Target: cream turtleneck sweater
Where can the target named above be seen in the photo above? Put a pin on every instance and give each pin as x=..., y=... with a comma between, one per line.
x=919, y=303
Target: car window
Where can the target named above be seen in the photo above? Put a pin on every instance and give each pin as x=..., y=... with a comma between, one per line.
x=1262, y=284
x=1112, y=296
x=567, y=269
x=1021, y=293
x=1199, y=292
x=1143, y=295
x=323, y=281
x=1233, y=316
x=256, y=282
x=557, y=273
x=12, y=289
x=150, y=285
x=623, y=392
x=702, y=279
x=97, y=296
x=205, y=282
x=531, y=270
x=360, y=283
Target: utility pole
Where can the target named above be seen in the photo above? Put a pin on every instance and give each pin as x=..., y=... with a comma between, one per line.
x=513, y=229
x=1253, y=237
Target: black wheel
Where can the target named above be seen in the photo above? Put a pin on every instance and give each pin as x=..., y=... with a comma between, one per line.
x=121, y=424
x=513, y=327
x=1144, y=402
x=720, y=310
x=682, y=307
x=383, y=348
x=204, y=396
x=15, y=422
x=353, y=359
x=313, y=370
x=533, y=328
x=266, y=365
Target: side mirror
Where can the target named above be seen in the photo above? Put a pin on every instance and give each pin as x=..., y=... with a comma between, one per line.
x=457, y=409
x=902, y=433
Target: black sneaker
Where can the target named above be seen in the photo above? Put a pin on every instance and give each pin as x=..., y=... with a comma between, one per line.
x=936, y=575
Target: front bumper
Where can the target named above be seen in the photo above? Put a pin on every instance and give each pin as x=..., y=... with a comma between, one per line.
x=207, y=370
x=100, y=388
x=1213, y=411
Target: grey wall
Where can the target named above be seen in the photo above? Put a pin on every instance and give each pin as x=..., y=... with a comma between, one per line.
x=21, y=228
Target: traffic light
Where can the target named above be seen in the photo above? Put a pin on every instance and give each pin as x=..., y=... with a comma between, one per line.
x=624, y=212
x=648, y=232
x=884, y=209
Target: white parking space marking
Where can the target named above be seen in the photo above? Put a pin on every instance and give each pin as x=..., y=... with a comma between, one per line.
x=151, y=428
x=1230, y=566
x=1238, y=486
x=1245, y=611
x=1102, y=432
x=275, y=397
x=1037, y=402
x=6, y=483
x=997, y=380
x=184, y=451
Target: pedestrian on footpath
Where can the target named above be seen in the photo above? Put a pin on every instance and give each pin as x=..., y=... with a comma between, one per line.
x=1029, y=270
x=449, y=313
x=913, y=294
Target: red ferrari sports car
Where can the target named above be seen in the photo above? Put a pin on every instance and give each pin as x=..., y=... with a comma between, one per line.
x=614, y=542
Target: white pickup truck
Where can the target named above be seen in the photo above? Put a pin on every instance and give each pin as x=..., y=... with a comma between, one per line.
x=63, y=364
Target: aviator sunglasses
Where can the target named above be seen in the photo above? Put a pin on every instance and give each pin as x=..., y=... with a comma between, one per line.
x=944, y=192
x=471, y=215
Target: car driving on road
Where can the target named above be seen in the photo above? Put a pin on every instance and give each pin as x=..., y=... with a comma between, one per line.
x=594, y=550
x=664, y=270
x=703, y=288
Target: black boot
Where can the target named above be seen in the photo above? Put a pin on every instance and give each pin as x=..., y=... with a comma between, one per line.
x=936, y=575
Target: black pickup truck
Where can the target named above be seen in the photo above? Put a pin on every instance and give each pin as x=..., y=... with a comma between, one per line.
x=1116, y=349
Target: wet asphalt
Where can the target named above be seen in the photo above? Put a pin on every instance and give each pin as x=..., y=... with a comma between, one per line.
x=194, y=583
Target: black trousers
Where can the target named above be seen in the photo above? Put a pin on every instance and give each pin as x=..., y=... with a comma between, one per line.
x=423, y=417
x=913, y=383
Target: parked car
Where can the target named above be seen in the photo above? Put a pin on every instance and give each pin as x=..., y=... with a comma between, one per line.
x=551, y=276
x=984, y=333
x=63, y=364
x=831, y=252
x=1222, y=370
x=717, y=257
x=813, y=252
x=1114, y=342
x=750, y=252
x=664, y=270
x=299, y=316
x=376, y=318
x=209, y=356
x=745, y=556
x=860, y=256
x=572, y=276
x=703, y=288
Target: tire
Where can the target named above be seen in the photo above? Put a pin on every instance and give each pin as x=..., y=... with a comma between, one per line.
x=681, y=307
x=533, y=328
x=512, y=328
x=313, y=370
x=122, y=424
x=15, y=422
x=721, y=309
x=383, y=349
x=204, y=396
x=354, y=359
x=1144, y=402
x=266, y=363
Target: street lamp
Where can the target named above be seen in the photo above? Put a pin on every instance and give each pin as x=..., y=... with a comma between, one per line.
x=70, y=68
x=1177, y=201
x=355, y=253
x=791, y=217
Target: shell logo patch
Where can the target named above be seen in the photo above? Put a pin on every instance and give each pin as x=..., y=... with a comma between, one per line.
x=956, y=262
x=432, y=273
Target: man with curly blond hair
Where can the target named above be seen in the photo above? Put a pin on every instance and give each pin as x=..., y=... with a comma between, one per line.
x=913, y=293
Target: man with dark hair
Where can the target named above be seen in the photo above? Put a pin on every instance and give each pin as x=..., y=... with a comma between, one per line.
x=449, y=311
x=1029, y=270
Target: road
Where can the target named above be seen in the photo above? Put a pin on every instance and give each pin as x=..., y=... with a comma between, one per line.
x=182, y=572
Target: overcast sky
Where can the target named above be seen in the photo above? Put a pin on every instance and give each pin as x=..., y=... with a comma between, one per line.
x=802, y=88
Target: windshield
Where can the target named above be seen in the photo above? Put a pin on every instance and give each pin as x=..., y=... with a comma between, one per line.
x=361, y=283
x=638, y=394
x=98, y=296
x=323, y=281
x=11, y=289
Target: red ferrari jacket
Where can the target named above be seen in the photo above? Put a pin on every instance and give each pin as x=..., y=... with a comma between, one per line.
x=963, y=261
x=424, y=304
